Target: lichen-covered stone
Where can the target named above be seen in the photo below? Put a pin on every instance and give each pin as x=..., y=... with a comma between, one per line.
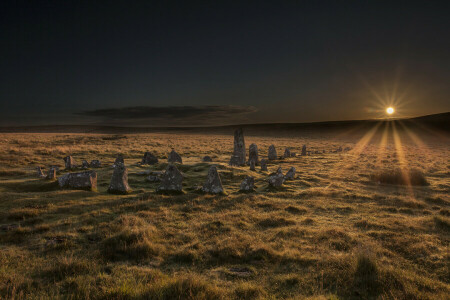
x=276, y=180
x=174, y=157
x=69, y=162
x=172, y=180
x=81, y=180
x=272, y=153
x=263, y=165
x=248, y=184
x=213, y=184
x=119, y=180
x=253, y=154
x=238, y=157
x=95, y=163
x=149, y=159
x=290, y=175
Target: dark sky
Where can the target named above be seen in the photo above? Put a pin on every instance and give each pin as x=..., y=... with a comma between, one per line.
x=194, y=63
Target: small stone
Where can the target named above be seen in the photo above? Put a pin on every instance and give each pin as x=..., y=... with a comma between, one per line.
x=253, y=154
x=248, y=184
x=152, y=178
x=304, y=150
x=287, y=153
x=81, y=180
x=174, y=157
x=277, y=179
x=95, y=163
x=252, y=165
x=293, y=154
x=149, y=159
x=51, y=174
x=272, y=153
x=39, y=172
x=339, y=149
x=119, y=180
x=263, y=165
x=238, y=157
x=84, y=164
x=213, y=184
x=290, y=175
x=207, y=159
x=171, y=180
x=69, y=162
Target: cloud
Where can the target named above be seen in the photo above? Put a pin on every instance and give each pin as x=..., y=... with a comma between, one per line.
x=172, y=115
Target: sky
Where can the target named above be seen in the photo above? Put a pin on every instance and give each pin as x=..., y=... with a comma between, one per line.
x=195, y=63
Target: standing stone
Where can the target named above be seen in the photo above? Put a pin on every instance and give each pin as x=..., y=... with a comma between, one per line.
x=95, y=163
x=207, y=159
x=339, y=149
x=149, y=159
x=70, y=164
x=252, y=165
x=276, y=180
x=272, y=153
x=238, y=157
x=290, y=175
x=304, y=150
x=119, y=180
x=51, y=174
x=213, y=184
x=171, y=180
x=119, y=160
x=253, y=154
x=248, y=184
x=39, y=172
x=84, y=164
x=174, y=157
x=293, y=154
x=287, y=153
x=263, y=165
x=86, y=180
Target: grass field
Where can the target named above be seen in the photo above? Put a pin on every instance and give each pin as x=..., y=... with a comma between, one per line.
x=334, y=232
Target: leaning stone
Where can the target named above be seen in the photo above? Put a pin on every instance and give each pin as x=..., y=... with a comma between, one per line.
x=263, y=165
x=95, y=163
x=248, y=184
x=119, y=181
x=252, y=165
x=253, y=154
x=213, y=184
x=152, y=178
x=84, y=164
x=81, y=180
x=277, y=179
x=290, y=175
x=287, y=153
x=304, y=150
x=51, y=174
x=174, y=157
x=272, y=153
x=239, y=148
x=69, y=162
x=149, y=159
x=172, y=180
x=207, y=159
x=39, y=172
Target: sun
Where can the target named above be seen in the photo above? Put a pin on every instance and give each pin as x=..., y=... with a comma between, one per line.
x=390, y=110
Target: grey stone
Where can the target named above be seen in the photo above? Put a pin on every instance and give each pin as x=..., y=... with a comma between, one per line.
x=152, y=178
x=248, y=184
x=172, y=180
x=277, y=179
x=339, y=149
x=293, y=154
x=290, y=175
x=39, y=172
x=119, y=160
x=272, y=153
x=69, y=162
x=84, y=164
x=174, y=157
x=253, y=154
x=51, y=174
x=252, y=165
x=238, y=157
x=95, y=163
x=149, y=159
x=304, y=150
x=287, y=153
x=263, y=165
x=213, y=184
x=234, y=160
x=81, y=180
x=119, y=180
x=207, y=159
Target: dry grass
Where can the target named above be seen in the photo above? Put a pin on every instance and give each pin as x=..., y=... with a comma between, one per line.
x=336, y=231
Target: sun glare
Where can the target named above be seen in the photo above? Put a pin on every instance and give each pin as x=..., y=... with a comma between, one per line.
x=390, y=110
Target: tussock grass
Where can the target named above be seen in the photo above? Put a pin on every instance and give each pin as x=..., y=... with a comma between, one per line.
x=398, y=176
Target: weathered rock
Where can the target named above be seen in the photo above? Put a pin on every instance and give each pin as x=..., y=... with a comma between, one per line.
x=339, y=149
x=277, y=179
x=39, y=172
x=149, y=159
x=248, y=184
x=253, y=154
x=84, y=164
x=69, y=162
x=119, y=180
x=272, y=153
x=51, y=173
x=263, y=165
x=172, y=180
x=119, y=160
x=152, y=178
x=81, y=180
x=213, y=184
x=304, y=150
x=234, y=160
x=239, y=148
x=252, y=165
x=290, y=175
x=174, y=157
x=207, y=159
x=293, y=154
x=95, y=163
x=287, y=153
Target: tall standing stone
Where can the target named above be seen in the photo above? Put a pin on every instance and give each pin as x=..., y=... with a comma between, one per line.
x=119, y=180
x=272, y=153
x=213, y=184
x=304, y=150
x=172, y=180
x=248, y=184
x=253, y=154
x=69, y=162
x=287, y=153
x=238, y=157
x=149, y=159
x=290, y=175
x=119, y=160
x=263, y=165
x=276, y=180
x=174, y=157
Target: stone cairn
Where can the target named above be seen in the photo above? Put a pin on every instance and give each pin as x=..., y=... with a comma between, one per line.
x=248, y=184
x=253, y=154
x=69, y=162
x=207, y=158
x=119, y=180
x=86, y=180
x=149, y=159
x=213, y=184
x=272, y=153
x=290, y=175
x=287, y=153
x=174, y=157
x=276, y=180
x=304, y=150
x=263, y=165
x=238, y=157
x=95, y=163
x=171, y=180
